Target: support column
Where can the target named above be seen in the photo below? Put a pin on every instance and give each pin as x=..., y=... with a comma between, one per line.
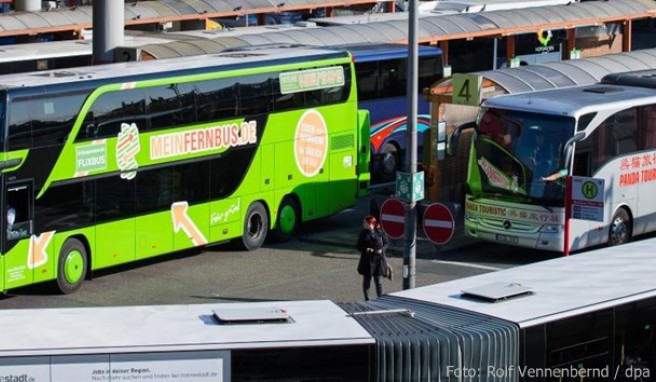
x=28, y=5
x=571, y=43
x=444, y=45
x=431, y=163
x=108, y=33
x=510, y=50
x=627, y=27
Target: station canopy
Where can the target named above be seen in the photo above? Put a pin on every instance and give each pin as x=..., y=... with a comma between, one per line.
x=158, y=11
x=557, y=74
x=431, y=29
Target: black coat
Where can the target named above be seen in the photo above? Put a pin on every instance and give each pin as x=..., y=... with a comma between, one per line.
x=372, y=264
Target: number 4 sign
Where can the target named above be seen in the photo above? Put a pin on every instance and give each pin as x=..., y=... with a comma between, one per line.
x=466, y=89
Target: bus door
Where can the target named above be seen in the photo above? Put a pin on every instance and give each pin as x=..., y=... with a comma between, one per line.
x=19, y=259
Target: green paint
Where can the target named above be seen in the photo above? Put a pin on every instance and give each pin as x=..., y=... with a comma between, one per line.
x=271, y=175
x=287, y=219
x=73, y=267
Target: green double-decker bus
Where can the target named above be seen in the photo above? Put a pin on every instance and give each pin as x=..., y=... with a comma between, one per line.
x=111, y=164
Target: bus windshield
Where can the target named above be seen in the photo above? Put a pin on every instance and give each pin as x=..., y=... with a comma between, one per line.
x=515, y=151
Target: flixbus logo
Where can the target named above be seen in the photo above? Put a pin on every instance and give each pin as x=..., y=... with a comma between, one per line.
x=17, y=378
x=201, y=140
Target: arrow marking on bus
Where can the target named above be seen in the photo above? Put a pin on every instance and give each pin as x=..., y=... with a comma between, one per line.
x=37, y=254
x=182, y=220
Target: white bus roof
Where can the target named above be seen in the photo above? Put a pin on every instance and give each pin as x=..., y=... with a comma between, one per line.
x=68, y=48
x=561, y=287
x=173, y=328
x=124, y=69
x=575, y=100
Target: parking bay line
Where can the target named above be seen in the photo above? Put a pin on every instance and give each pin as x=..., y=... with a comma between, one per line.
x=468, y=265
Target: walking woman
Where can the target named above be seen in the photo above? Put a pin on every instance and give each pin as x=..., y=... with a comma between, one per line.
x=372, y=243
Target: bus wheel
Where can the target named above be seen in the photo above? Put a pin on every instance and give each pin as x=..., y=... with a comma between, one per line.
x=72, y=266
x=620, y=228
x=389, y=160
x=288, y=219
x=256, y=227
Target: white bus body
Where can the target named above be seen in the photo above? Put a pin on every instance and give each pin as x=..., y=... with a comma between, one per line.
x=615, y=127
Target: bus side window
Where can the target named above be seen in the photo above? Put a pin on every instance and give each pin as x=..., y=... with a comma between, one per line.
x=393, y=78
x=647, y=123
x=19, y=222
x=624, y=130
x=55, y=119
x=255, y=95
x=367, y=75
x=216, y=100
x=111, y=110
x=430, y=71
x=170, y=105
x=20, y=125
x=581, y=164
x=289, y=101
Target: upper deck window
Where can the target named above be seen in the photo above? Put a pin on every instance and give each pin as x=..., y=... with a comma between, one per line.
x=42, y=121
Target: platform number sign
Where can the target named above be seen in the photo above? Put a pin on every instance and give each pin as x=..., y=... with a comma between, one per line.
x=467, y=89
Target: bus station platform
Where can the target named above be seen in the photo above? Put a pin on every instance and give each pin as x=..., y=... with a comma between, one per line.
x=346, y=237
x=348, y=227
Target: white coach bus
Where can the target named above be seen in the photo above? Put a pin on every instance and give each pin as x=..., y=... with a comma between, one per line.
x=526, y=144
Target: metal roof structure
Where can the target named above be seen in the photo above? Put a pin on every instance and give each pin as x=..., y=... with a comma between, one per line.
x=441, y=7
x=558, y=74
x=156, y=12
x=432, y=339
x=431, y=29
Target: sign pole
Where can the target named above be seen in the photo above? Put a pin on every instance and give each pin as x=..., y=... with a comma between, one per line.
x=568, y=213
x=409, y=248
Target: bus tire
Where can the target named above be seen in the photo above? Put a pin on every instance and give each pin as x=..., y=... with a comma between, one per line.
x=289, y=218
x=72, y=266
x=389, y=160
x=256, y=227
x=620, y=228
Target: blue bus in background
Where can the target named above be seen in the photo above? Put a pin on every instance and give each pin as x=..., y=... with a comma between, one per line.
x=381, y=72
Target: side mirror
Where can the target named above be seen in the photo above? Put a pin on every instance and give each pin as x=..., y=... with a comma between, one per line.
x=453, y=138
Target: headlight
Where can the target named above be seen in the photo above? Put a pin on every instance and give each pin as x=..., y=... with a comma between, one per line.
x=551, y=228
x=470, y=217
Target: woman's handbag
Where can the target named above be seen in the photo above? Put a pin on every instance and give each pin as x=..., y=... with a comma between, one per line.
x=389, y=271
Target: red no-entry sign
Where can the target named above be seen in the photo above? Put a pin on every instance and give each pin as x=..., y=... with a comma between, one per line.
x=392, y=218
x=438, y=223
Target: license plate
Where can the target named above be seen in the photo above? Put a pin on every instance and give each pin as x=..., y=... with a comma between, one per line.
x=507, y=239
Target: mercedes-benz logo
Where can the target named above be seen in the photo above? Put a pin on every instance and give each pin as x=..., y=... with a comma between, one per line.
x=507, y=224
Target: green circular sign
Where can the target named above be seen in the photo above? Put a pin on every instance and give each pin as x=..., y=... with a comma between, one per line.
x=589, y=189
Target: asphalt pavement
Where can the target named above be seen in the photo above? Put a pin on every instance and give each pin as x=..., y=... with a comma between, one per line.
x=350, y=230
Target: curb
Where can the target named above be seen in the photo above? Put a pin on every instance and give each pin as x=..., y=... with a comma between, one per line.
x=348, y=239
